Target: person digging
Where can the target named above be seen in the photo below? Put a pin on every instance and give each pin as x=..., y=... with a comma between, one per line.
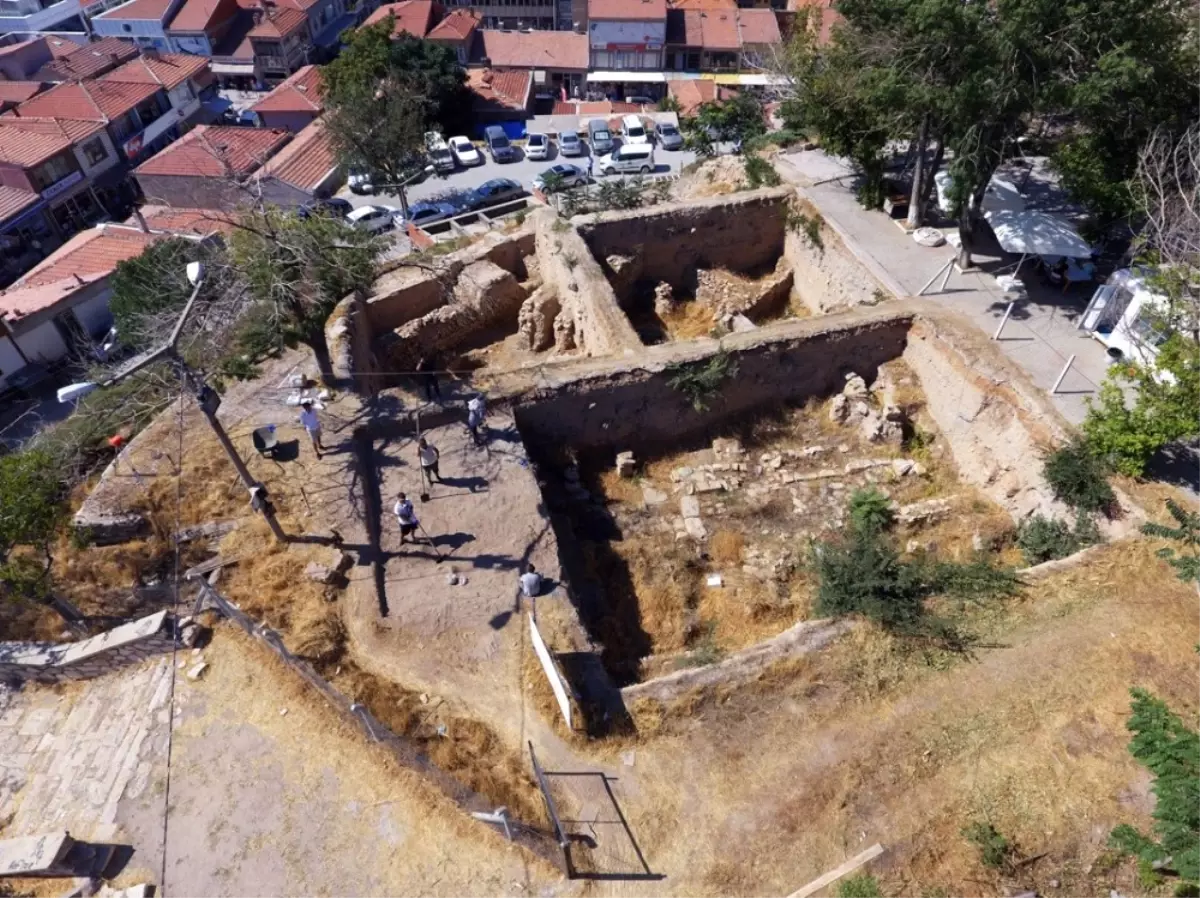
x=476, y=412
x=428, y=455
x=406, y=515
x=312, y=425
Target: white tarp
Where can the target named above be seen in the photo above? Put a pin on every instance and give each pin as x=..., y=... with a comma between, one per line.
x=556, y=683
x=1000, y=194
x=1037, y=234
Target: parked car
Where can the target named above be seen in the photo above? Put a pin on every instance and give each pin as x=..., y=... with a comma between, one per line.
x=464, y=152
x=537, y=146
x=335, y=207
x=600, y=137
x=627, y=159
x=640, y=100
x=633, y=130
x=422, y=214
x=569, y=144
x=561, y=177
x=498, y=144
x=371, y=218
x=495, y=192
x=668, y=137
x=439, y=154
x=359, y=181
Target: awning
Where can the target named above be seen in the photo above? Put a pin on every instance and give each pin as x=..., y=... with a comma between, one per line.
x=215, y=106
x=1036, y=234
x=232, y=68
x=763, y=80
x=628, y=77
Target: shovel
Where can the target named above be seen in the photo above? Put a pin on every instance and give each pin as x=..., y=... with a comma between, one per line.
x=424, y=483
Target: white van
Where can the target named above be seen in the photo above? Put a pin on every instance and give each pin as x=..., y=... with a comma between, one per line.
x=628, y=158
x=633, y=130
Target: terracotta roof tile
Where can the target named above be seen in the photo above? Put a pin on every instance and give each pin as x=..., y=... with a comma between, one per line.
x=19, y=91
x=74, y=130
x=692, y=93
x=279, y=23
x=634, y=10
x=413, y=17
x=84, y=258
x=198, y=222
x=300, y=92
x=684, y=28
x=14, y=201
x=200, y=15
x=509, y=90
x=87, y=61
x=458, y=26
x=211, y=151
x=720, y=29
x=166, y=69
x=306, y=161
x=700, y=4
x=146, y=10
x=534, y=49
x=61, y=47
x=759, y=26
x=29, y=148
x=88, y=101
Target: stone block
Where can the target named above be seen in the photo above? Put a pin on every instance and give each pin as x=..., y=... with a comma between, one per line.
x=689, y=507
x=626, y=464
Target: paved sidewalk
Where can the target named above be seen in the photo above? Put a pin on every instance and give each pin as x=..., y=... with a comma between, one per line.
x=1041, y=333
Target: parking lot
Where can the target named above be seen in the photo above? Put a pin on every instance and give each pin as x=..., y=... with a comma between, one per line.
x=523, y=171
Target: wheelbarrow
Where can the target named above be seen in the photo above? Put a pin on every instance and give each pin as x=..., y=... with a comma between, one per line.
x=266, y=441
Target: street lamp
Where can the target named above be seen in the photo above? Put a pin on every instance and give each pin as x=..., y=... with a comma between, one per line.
x=427, y=170
x=207, y=398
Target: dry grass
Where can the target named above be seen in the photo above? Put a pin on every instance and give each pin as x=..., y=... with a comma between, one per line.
x=726, y=546
x=689, y=320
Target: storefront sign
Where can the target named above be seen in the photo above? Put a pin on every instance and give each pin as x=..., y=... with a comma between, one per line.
x=59, y=186
x=133, y=146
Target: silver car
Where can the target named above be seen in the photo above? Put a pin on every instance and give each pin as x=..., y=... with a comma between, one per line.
x=569, y=144
x=668, y=137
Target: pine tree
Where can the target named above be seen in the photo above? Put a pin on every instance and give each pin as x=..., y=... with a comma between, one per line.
x=1171, y=751
x=1187, y=566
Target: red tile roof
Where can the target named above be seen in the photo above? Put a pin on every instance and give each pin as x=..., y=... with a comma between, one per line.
x=88, y=101
x=691, y=94
x=700, y=4
x=759, y=26
x=73, y=130
x=87, y=61
x=456, y=27
x=300, y=92
x=720, y=29
x=599, y=107
x=61, y=47
x=14, y=201
x=29, y=148
x=146, y=10
x=199, y=222
x=200, y=15
x=305, y=162
x=166, y=69
x=279, y=23
x=509, y=90
x=683, y=27
x=19, y=91
x=212, y=151
x=413, y=17
x=534, y=49
x=85, y=258
x=626, y=10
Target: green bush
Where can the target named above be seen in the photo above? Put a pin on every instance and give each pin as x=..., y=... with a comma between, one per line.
x=701, y=382
x=864, y=885
x=1187, y=534
x=761, y=173
x=870, y=511
x=994, y=850
x=1045, y=539
x=1079, y=479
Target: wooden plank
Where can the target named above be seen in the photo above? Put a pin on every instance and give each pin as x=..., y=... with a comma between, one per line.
x=838, y=872
x=205, y=566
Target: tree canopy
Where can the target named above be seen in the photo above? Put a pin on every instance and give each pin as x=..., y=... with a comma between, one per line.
x=383, y=92
x=31, y=508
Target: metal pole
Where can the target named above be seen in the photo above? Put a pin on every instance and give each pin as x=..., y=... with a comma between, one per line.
x=1066, y=368
x=1003, y=321
x=929, y=283
x=946, y=279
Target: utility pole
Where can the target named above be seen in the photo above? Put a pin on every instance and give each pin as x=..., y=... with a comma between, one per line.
x=206, y=398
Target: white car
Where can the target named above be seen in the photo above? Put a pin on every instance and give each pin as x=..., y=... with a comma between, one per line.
x=537, y=146
x=464, y=152
x=371, y=218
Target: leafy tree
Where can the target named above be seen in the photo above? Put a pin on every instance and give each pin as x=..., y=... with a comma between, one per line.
x=149, y=288
x=738, y=119
x=1165, y=400
x=760, y=173
x=1171, y=752
x=31, y=508
x=300, y=268
x=1187, y=534
x=382, y=93
x=1079, y=479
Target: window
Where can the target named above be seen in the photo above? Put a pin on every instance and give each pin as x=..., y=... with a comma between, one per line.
x=94, y=151
x=181, y=94
x=128, y=29
x=53, y=171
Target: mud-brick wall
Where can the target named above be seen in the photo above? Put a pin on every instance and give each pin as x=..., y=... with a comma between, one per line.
x=828, y=275
x=668, y=242
x=639, y=409
x=349, y=337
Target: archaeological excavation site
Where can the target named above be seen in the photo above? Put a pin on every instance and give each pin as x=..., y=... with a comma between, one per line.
x=688, y=407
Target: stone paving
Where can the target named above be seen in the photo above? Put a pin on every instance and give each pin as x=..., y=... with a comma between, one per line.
x=69, y=754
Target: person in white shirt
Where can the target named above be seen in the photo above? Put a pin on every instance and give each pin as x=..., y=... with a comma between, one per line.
x=428, y=455
x=406, y=515
x=312, y=424
x=476, y=411
x=531, y=582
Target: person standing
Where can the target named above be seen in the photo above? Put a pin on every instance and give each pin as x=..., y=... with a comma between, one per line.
x=312, y=425
x=476, y=412
x=531, y=582
x=427, y=368
x=428, y=455
x=591, y=164
x=406, y=515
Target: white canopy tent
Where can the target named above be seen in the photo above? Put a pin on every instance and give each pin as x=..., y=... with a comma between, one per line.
x=1033, y=233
